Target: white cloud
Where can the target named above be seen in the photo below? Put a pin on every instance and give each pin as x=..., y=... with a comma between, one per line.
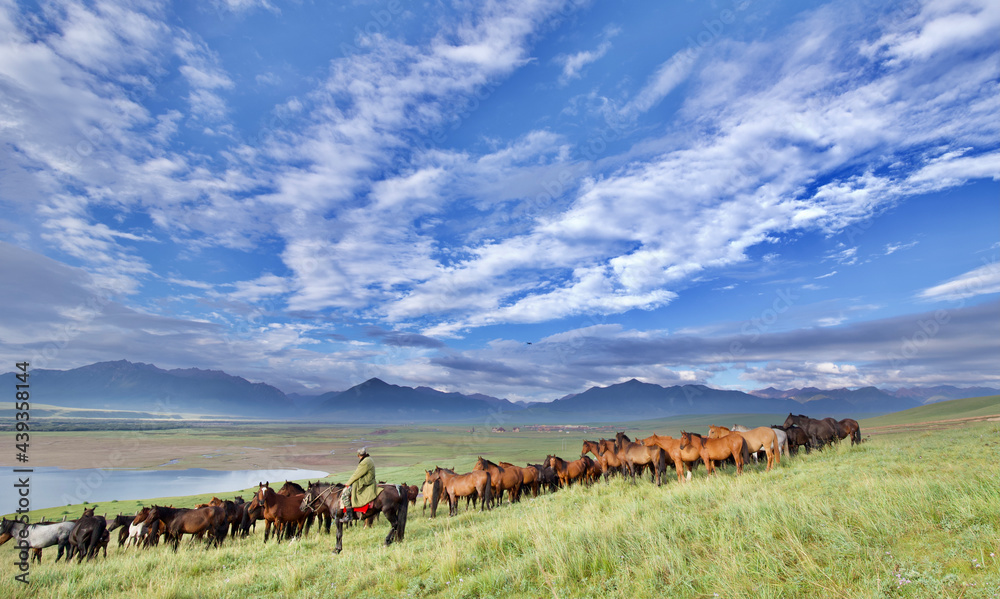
x=978, y=281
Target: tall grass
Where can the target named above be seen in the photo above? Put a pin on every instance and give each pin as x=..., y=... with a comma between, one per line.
x=901, y=516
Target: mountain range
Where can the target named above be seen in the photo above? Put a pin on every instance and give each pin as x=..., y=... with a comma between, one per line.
x=138, y=387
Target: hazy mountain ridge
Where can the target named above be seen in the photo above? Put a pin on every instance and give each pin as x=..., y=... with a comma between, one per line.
x=143, y=387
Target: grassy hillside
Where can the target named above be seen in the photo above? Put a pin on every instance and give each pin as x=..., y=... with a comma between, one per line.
x=900, y=516
x=973, y=407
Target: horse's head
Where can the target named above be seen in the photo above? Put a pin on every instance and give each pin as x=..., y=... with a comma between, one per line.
x=89, y=512
x=685, y=440
x=238, y=499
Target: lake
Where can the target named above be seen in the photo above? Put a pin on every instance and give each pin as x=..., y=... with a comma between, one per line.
x=51, y=487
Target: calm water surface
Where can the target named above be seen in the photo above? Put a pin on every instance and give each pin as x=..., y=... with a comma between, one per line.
x=51, y=487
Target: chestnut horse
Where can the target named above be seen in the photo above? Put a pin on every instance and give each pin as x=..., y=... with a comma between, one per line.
x=685, y=461
x=568, y=471
x=445, y=483
x=503, y=479
x=762, y=437
x=529, y=477
x=732, y=445
x=590, y=446
x=279, y=509
x=197, y=521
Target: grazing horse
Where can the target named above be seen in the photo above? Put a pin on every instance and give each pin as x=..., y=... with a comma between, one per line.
x=392, y=501
x=86, y=536
x=635, y=455
x=820, y=432
x=568, y=472
x=685, y=461
x=762, y=437
x=445, y=483
x=280, y=510
x=39, y=536
x=852, y=428
x=502, y=479
x=732, y=445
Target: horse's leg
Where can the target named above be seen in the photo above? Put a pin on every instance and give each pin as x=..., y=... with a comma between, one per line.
x=390, y=514
x=340, y=536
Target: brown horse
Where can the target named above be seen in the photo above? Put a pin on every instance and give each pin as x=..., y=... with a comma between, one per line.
x=732, y=445
x=502, y=479
x=278, y=509
x=392, y=501
x=685, y=461
x=590, y=446
x=529, y=477
x=446, y=483
x=849, y=426
x=634, y=455
x=197, y=521
x=568, y=472
x=762, y=437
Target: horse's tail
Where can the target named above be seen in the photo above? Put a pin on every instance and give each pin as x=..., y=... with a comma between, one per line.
x=856, y=434
x=487, y=497
x=745, y=451
x=435, y=497
x=401, y=511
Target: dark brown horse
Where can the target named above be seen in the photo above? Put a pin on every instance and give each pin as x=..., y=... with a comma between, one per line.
x=502, y=479
x=820, y=432
x=279, y=510
x=86, y=536
x=392, y=501
x=711, y=450
x=446, y=483
x=233, y=513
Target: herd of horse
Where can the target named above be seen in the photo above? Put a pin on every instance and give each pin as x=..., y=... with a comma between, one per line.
x=293, y=509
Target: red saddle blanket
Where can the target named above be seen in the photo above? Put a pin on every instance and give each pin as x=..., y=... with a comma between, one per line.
x=361, y=510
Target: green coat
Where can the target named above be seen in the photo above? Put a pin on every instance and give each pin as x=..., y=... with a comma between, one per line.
x=362, y=483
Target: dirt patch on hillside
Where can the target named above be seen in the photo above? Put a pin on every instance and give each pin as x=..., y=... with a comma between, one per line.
x=931, y=425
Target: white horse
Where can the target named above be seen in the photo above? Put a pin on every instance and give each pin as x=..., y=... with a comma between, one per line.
x=39, y=535
x=136, y=534
x=782, y=439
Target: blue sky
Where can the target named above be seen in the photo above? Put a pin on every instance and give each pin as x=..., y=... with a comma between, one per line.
x=523, y=199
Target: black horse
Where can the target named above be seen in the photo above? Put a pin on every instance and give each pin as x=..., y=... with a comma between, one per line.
x=86, y=537
x=820, y=432
x=392, y=501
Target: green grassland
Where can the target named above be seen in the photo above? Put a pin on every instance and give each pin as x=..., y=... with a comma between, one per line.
x=973, y=407
x=906, y=514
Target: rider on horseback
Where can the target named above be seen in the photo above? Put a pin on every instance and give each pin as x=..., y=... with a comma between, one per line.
x=361, y=488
